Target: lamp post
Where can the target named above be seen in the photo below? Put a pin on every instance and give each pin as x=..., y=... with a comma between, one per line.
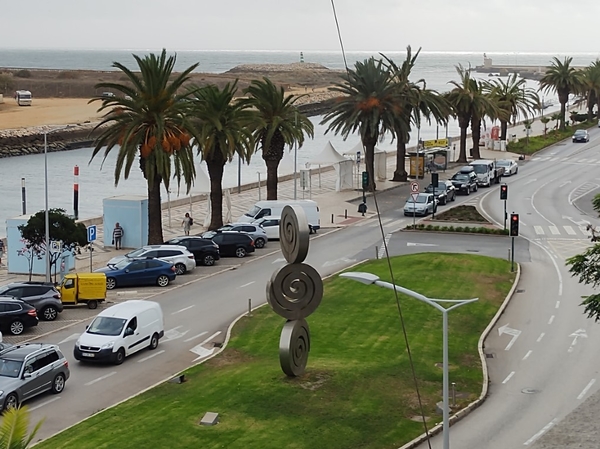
x=368, y=278
x=296, y=161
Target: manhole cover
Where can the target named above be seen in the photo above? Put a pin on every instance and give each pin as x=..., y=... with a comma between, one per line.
x=529, y=391
x=521, y=290
x=472, y=250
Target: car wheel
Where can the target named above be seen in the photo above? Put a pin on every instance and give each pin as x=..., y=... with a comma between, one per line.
x=111, y=283
x=58, y=384
x=259, y=243
x=12, y=401
x=17, y=327
x=180, y=269
x=49, y=313
x=92, y=304
x=468, y=190
x=153, y=342
x=454, y=197
x=162, y=281
x=119, y=356
x=240, y=252
x=444, y=201
x=208, y=260
x=516, y=171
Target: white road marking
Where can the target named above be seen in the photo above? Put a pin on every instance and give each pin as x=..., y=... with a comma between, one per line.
x=182, y=310
x=420, y=244
x=570, y=230
x=148, y=357
x=514, y=333
x=557, y=305
x=540, y=337
x=512, y=373
x=106, y=376
x=201, y=351
x=581, y=395
x=381, y=253
x=554, y=159
x=530, y=181
x=195, y=336
x=579, y=333
x=49, y=401
x=564, y=184
x=554, y=230
x=539, y=230
x=174, y=334
x=545, y=429
x=527, y=355
x=551, y=319
x=69, y=338
x=281, y=259
x=246, y=285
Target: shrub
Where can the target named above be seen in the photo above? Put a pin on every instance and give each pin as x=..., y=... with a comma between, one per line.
x=459, y=229
x=23, y=74
x=429, y=227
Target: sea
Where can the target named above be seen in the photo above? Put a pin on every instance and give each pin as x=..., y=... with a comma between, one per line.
x=96, y=179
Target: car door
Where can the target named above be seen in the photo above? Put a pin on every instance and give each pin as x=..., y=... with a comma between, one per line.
x=197, y=249
x=37, y=374
x=136, y=274
x=131, y=336
x=224, y=246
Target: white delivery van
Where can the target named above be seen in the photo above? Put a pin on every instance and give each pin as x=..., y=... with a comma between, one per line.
x=120, y=331
x=23, y=97
x=487, y=172
x=275, y=207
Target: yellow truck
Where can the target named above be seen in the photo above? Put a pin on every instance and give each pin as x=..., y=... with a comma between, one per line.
x=77, y=288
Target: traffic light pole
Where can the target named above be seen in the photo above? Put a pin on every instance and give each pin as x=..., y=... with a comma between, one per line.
x=512, y=255
x=505, y=215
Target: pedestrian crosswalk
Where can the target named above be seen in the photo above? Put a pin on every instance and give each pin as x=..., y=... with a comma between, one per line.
x=569, y=159
x=568, y=230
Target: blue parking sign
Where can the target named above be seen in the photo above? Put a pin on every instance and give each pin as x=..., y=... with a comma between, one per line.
x=91, y=233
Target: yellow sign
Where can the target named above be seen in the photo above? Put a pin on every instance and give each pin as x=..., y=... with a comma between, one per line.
x=435, y=143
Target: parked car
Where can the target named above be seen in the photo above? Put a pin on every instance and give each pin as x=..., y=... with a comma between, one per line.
x=31, y=369
x=205, y=251
x=465, y=182
x=444, y=191
x=257, y=233
x=270, y=225
x=232, y=244
x=129, y=272
x=581, y=135
x=510, y=166
x=41, y=295
x=424, y=205
x=179, y=256
x=16, y=315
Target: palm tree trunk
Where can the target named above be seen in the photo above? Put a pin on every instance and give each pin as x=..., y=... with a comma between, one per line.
x=476, y=134
x=215, y=173
x=462, y=154
x=503, y=129
x=400, y=174
x=590, y=107
x=155, y=231
x=563, y=112
x=369, y=145
x=272, y=178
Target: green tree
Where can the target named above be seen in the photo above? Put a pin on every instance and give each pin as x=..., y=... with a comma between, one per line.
x=149, y=124
x=277, y=123
x=62, y=228
x=14, y=429
x=222, y=132
x=460, y=99
x=556, y=118
x=527, y=124
x=545, y=121
x=367, y=105
x=563, y=79
x=590, y=87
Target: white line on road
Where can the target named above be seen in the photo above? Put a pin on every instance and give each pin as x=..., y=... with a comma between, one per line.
x=210, y=338
x=182, y=310
x=545, y=429
x=585, y=390
x=530, y=181
x=527, y=355
x=551, y=319
x=512, y=373
x=69, y=338
x=381, y=253
x=557, y=305
x=106, y=376
x=151, y=356
x=570, y=230
x=554, y=230
x=49, y=401
x=196, y=336
x=540, y=337
x=246, y=285
x=538, y=230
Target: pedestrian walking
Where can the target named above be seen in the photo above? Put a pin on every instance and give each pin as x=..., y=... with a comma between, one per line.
x=117, y=236
x=187, y=223
x=1, y=250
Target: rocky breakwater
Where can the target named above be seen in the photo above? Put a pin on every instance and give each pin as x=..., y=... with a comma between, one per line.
x=19, y=142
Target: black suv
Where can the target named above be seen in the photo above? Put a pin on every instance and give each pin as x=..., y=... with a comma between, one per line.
x=465, y=180
x=231, y=243
x=41, y=295
x=444, y=191
x=16, y=315
x=205, y=251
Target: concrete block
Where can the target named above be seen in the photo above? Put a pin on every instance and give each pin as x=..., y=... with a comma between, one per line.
x=210, y=419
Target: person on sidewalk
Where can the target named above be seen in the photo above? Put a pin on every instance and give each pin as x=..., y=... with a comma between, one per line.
x=1, y=250
x=187, y=223
x=117, y=236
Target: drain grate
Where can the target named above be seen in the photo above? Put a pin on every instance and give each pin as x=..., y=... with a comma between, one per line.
x=490, y=356
x=529, y=391
x=521, y=290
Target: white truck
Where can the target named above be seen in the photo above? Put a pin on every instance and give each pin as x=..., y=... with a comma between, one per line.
x=273, y=208
x=487, y=172
x=23, y=97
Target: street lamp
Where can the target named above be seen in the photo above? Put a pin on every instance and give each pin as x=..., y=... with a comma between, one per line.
x=46, y=217
x=368, y=278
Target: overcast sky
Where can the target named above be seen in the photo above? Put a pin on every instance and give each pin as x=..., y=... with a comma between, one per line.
x=554, y=26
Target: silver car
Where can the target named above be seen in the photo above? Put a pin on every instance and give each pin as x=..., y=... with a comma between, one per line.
x=30, y=369
x=510, y=166
x=257, y=233
x=178, y=255
x=422, y=204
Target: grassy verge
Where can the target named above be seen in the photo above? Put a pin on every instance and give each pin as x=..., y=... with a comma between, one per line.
x=451, y=228
x=461, y=213
x=537, y=143
x=357, y=391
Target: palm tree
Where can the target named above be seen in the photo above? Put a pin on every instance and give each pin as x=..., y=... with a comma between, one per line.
x=482, y=104
x=413, y=100
x=527, y=124
x=149, y=124
x=590, y=87
x=514, y=99
x=545, y=121
x=460, y=99
x=367, y=105
x=14, y=428
x=277, y=123
x=563, y=79
x=556, y=117
x=222, y=132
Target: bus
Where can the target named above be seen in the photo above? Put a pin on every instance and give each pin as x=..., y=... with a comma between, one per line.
x=23, y=97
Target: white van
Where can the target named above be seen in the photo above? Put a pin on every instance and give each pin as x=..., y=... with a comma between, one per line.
x=23, y=97
x=487, y=172
x=275, y=207
x=120, y=331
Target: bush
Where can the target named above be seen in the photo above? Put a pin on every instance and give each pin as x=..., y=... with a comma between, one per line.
x=67, y=75
x=23, y=74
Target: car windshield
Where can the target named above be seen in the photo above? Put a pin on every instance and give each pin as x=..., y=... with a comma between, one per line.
x=503, y=163
x=439, y=188
x=226, y=227
x=420, y=199
x=460, y=177
x=580, y=132
x=252, y=212
x=121, y=264
x=208, y=235
x=10, y=368
x=106, y=325
x=136, y=253
x=480, y=168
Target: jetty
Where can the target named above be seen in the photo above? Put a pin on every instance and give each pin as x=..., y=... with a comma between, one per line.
x=524, y=71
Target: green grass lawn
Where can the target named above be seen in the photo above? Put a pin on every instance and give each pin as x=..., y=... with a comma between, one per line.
x=537, y=143
x=357, y=391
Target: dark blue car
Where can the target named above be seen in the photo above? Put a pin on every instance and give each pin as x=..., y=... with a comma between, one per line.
x=129, y=272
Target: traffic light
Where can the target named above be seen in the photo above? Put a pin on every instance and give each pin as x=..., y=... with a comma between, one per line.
x=514, y=225
x=503, y=192
x=434, y=180
x=365, y=179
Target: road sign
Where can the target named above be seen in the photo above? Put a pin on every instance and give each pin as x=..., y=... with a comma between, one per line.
x=91, y=233
x=55, y=247
x=414, y=187
x=414, y=196
x=435, y=143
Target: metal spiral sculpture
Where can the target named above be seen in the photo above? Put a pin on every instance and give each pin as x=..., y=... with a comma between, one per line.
x=294, y=291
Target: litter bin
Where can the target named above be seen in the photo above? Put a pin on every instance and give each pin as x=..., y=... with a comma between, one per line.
x=471, y=152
